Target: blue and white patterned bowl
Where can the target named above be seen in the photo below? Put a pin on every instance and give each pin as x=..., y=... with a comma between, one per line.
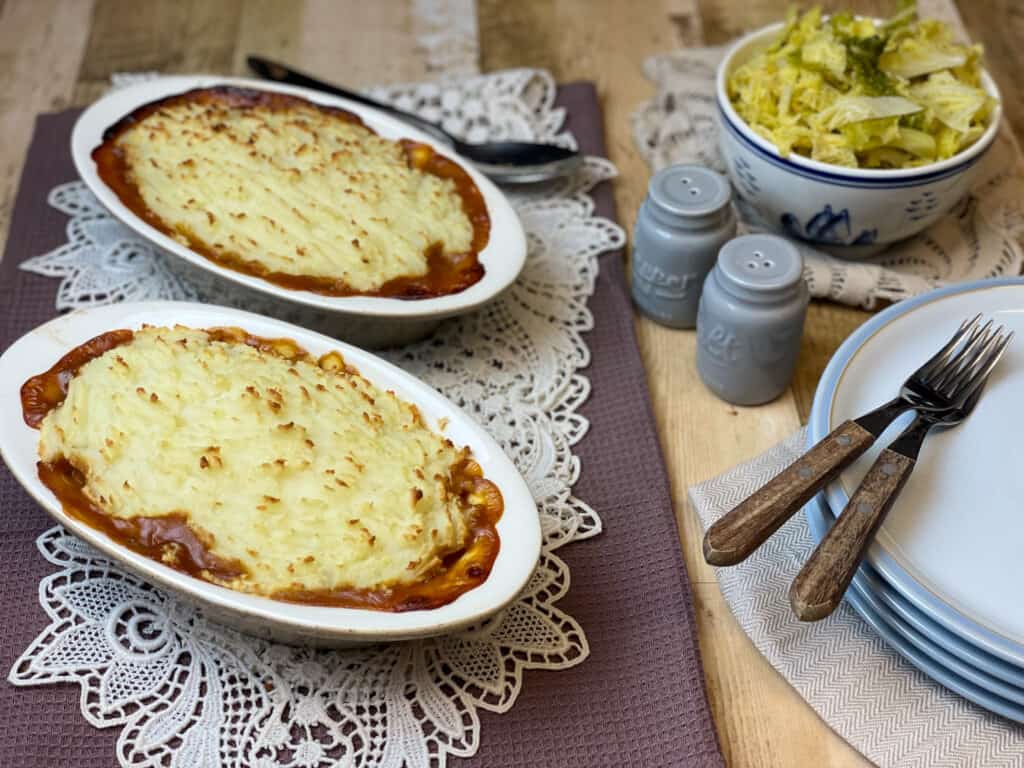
x=852, y=213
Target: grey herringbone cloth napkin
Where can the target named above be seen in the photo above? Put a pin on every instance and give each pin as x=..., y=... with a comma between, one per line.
x=885, y=708
x=638, y=700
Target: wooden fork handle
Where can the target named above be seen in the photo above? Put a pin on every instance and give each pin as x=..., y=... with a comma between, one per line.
x=742, y=530
x=821, y=583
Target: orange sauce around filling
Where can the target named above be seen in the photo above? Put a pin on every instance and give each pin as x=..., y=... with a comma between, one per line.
x=169, y=538
x=447, y=273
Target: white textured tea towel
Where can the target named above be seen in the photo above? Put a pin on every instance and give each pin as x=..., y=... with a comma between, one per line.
x=885, y=708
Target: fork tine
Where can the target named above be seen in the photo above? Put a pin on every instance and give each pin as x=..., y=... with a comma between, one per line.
x=942, y=376
x=980, y=376
x=942, y=356
x=977, y=338
x=977, y=373
x=980, y=358
x=967, y=359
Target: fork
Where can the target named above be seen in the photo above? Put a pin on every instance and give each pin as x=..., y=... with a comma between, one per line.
x=949, y=399
x=748, y=525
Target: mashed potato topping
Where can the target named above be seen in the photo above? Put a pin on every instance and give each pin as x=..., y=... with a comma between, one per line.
x=304, y=474
x=306, y=196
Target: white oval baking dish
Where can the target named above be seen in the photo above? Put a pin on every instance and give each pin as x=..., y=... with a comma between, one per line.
x=364, y=320
x=518, y=529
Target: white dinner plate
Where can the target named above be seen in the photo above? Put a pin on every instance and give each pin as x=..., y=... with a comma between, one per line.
x=986, y=670
x=518, y=529
x=952, y=542
x=935, y=661
x=503, y=257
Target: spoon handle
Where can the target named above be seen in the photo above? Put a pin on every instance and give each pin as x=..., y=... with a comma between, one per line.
x=279, y=73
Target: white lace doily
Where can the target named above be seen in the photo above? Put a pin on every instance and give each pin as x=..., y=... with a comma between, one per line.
x=982, y=237
x=188, y=693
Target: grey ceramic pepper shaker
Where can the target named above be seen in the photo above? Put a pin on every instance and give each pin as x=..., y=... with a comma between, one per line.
x=751, y=319
x=682, y=224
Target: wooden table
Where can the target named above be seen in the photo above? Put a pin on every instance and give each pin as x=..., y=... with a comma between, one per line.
x=55, y=53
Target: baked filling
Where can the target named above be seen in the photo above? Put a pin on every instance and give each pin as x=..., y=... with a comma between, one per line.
x=302, y=195
x=250, y=464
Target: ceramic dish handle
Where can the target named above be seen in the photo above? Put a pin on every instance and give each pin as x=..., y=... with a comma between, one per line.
x=742, y=530
x=822, y=582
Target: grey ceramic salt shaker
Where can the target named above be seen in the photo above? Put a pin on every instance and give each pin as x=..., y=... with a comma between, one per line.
x=751, y=319
x=682, y=224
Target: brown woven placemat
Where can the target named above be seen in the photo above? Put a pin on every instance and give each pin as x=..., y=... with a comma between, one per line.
x=637, y=701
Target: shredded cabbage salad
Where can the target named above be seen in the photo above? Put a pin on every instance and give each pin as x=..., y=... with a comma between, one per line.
x=862, y=93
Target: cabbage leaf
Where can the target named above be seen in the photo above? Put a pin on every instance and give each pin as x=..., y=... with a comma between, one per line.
x=954, y=103
x=853, y=91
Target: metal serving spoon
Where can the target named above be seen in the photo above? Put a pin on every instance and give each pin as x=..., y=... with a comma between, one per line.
x=508, y=162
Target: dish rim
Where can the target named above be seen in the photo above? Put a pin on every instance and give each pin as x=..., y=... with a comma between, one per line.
x=503, y=258
x=839, y=173
x=818, y=425
x=518, y=529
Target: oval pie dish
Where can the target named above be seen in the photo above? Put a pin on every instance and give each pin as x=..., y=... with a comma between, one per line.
x=301, y=623
x=366, y=320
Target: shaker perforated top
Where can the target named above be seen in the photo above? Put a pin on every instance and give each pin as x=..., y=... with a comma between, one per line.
x=761, y=262
x=689, y=190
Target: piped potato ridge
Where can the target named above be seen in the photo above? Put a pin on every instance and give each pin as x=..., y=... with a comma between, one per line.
x=304, y=196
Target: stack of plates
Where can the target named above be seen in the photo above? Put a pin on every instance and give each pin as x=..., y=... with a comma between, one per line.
x=943, y=582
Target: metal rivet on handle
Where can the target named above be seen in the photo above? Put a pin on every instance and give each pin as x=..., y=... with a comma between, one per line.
x=805, y=472
x=864, y=507
x=844, y=440
x=889, y=469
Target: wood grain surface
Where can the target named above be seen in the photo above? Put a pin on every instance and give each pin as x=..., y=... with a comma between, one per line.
x=818, y=589
x=746, y=527
x=57, y=52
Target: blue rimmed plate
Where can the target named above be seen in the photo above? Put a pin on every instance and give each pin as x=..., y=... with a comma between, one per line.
x=951, y=544
x=940, y=665
x=868, y=581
